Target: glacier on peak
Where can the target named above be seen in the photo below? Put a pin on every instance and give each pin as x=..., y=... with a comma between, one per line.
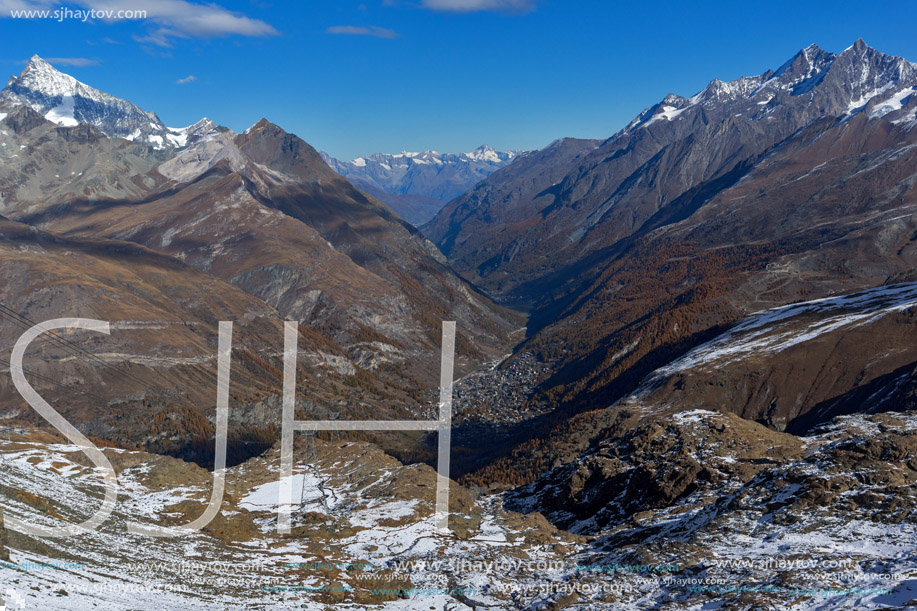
x=848, y=82
x=62, y=99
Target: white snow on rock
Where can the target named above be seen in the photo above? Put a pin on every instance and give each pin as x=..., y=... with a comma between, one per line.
x=895, y=102
x=765, y=331
x=266, y=497
x=63, y=100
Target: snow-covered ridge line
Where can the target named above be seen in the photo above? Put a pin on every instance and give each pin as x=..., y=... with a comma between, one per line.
x=887, y=84
x=762, y=331
x=483, y=153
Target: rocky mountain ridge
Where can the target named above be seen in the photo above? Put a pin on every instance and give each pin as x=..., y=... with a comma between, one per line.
x=632, y=251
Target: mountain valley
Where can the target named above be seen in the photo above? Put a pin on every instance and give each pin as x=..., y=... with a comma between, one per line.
x=684, y=372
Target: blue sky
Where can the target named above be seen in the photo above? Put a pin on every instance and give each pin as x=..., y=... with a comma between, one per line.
x=364, y=76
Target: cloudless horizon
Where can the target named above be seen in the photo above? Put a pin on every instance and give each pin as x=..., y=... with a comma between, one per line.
x=360, y=77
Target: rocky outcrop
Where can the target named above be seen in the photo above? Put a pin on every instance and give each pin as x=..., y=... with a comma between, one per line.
x=4, y=552
x=643, y=464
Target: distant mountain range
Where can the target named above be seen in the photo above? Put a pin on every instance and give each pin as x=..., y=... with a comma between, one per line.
x=417, y=185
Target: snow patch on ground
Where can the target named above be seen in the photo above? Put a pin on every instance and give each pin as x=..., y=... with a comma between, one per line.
x=895, y=102
x=63, y=114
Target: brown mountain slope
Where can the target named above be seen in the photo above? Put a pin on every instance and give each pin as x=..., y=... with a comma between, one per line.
x=785, y=232
x=518, y=238
x=152, y=382
x=790, y=368
x=261, y=210
x=156, y=369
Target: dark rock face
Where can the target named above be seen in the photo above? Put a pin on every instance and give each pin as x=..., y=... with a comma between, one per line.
x=22, y=119
x=795, y=367
x=4, y=552
x=694, y=477
x=644, y=463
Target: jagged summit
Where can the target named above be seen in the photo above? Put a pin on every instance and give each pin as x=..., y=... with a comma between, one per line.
x=41, y=76
x=262, y=123
x=860, y=45
x=807, y=63
x=488, y=153
x=64, y=100
x=839, y=84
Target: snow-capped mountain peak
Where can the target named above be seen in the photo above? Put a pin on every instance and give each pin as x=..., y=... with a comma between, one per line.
x=406, y=159
x=416, y=185
x=488, y=153
x=41, y=76
x=445, y=174
x=812, y=82
x=64, y=100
